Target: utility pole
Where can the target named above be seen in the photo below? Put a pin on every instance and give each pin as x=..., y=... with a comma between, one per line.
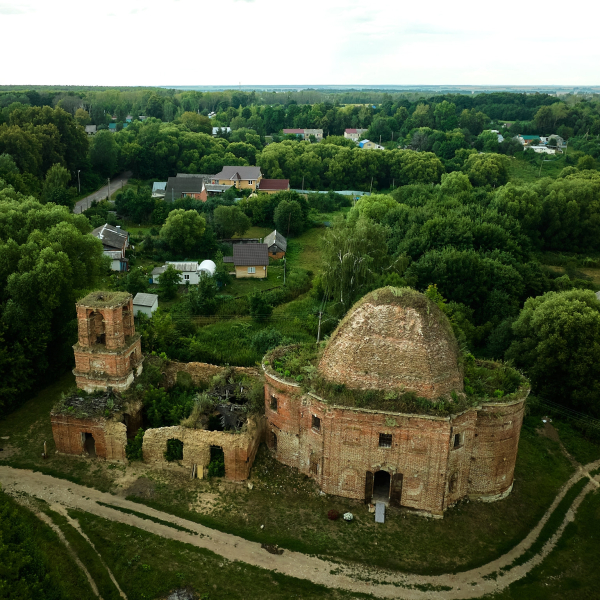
x=108, y=189
x=78, y=182
x=371, y=188
x=284, y=270
x=319, y=330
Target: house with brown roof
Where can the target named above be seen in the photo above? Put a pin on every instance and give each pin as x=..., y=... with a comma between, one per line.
x=272, y=186
x=244, y=178
x=354, y=134
x=249, y=260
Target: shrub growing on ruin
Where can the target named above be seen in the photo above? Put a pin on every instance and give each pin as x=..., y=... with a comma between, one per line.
x=133, y=450
x=174, y=450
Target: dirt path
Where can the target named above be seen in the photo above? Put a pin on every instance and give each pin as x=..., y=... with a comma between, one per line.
x=355, y=578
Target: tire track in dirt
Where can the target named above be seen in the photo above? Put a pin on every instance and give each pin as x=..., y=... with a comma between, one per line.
x=352, y=577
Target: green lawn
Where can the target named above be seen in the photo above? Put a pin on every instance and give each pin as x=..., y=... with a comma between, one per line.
x=148, y=566
x=570, y=572
x=521, y=170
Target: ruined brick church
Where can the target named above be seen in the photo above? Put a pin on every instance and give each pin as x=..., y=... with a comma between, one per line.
x=395, y=339
x=392, y=341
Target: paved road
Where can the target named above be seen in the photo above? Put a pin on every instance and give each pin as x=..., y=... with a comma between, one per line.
x=355, y=578
x=102, y=193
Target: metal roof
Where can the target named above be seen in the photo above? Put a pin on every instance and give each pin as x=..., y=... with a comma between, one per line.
x=159, y=186
x=187, y=267
x=274, y=184
x=250, y=255
x=145, y=299
x=187, y=184
x=111, y=236
x=114, y=254
x=232, y=173
x=275, y=238
x=158, y=270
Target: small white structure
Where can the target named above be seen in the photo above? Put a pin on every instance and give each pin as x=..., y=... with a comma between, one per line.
x=208, y=267
x=145, y=303
x=542, y=149
x=217, y=130
x=158, y=189
x=190, y=271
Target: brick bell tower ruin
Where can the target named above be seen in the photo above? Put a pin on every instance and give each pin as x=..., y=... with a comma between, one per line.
x=109, y=351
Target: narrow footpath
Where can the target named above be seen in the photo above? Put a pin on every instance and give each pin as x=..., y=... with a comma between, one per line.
x=352, y=577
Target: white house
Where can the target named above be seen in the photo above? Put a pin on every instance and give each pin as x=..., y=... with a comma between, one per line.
x=190, y=271
x=145, y=303
x=354, y=134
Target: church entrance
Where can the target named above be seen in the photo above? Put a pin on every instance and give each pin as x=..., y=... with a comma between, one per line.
x=381, y=486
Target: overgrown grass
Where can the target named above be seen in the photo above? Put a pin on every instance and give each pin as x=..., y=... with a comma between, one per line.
x=147, y=517
x=147, y=566
x=63, y=578
x=294, y=515
x=570, y=572
x=88, y=557
x=581, y=449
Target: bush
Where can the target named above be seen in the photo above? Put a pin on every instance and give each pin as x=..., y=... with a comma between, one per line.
x=333, y=515
x=174, y=450
x=267, y=339
x=133, y=450
x=260, y=309
x=216, y=466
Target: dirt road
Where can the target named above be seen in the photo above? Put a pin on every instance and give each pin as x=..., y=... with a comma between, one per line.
x=102, y=193
x=355, y=578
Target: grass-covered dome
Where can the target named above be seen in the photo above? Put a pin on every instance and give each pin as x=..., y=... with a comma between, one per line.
x=395, y=338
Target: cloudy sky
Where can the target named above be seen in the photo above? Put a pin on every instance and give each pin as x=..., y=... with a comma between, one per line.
x=279, y=42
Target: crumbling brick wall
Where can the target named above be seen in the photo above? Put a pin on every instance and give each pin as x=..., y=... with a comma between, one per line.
x=435, y=467
x=239, y=448
x=201, y=373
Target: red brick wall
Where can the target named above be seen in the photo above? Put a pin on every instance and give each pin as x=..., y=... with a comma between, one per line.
x=435, y=471
x=67, y=431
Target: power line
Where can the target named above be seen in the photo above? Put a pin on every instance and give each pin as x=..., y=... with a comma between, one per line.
x=571, y=414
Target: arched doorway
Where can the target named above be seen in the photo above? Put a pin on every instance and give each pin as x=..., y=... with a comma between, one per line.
x=381, y=486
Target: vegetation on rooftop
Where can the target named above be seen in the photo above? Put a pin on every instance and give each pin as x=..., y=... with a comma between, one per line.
x=485, y=381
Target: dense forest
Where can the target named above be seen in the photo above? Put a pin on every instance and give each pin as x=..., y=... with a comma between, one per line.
x=445, y=216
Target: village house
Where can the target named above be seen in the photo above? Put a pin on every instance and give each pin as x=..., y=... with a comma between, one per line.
x=272, y=186
x=304, y=134
x=114, y=241
x=243, y=178
x=369, y=145
x=191, y=271
x=276, y=243
x=145, y=303
x=186, y=186
x=249, y=260
x=354, y=134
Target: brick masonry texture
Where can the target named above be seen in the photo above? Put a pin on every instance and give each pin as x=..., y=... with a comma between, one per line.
x=110, y=437
x=108, y=352
x=395, y=339
x=239, y=448
x=432, y=473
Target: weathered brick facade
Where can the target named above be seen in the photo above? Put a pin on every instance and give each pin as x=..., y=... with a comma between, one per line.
x=239, y=449
x=109, y=352
x=109, y=436
x=395, y=339
x=429, y=467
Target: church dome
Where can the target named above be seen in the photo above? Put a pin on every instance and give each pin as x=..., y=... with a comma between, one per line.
x=396, y=339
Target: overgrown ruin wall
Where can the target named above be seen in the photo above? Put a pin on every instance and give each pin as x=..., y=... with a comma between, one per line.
x=201, y=373
x=110, y=437
x=239, y=448
x=432, y=467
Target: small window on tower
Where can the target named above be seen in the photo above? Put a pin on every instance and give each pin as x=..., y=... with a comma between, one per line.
x=316, y=423
x=274, y=403
x=385, y=440
x=457, y=440
x=274, y=441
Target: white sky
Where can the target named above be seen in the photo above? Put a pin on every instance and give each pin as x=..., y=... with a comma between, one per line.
x=283, y=42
